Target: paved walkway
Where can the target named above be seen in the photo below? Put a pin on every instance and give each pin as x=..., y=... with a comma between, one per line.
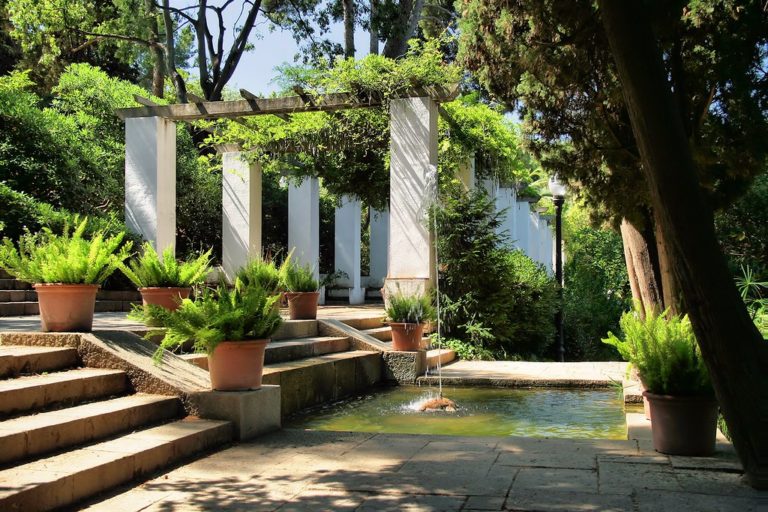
x=314, y=471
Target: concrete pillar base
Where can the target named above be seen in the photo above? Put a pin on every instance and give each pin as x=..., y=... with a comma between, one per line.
x=404, y=367
x=356, y=296
x=252, y=412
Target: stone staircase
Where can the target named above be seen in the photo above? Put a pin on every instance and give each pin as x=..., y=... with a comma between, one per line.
x=69, y=432
x=18, y=298
x=312, y=368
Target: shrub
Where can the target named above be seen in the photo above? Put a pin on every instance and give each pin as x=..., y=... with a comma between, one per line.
x=595, y=294
x=264, y=273
x=150, y=270
x=238, y=314
x=497, y=299
x=299, y=278
x=410, y=309
x=71, y=258
x=664, y=350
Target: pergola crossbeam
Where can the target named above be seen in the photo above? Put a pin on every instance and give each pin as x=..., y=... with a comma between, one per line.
x=252, y=105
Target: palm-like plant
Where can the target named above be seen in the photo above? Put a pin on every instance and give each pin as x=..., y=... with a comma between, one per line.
x=150, y=270
x=69, y=258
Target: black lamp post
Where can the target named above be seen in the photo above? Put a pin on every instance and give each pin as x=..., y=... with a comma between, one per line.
x=558, y=196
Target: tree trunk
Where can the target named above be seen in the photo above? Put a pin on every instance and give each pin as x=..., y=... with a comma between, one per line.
x=735, y=352
x=170, y=55
x=672, y=294
x=158, y=61
x=373, y=30
x=349, y=27
x=397, y=43
x=642, y=268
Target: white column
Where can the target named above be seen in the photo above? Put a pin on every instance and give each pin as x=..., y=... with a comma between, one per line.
x=533, y=235
x=522, y=225
x=304, y=223
x=347, y=247
x=466, y=173
x=379, y=242
x=150, y=179
x=241, y=210
x=506, y=199
x=413, y=189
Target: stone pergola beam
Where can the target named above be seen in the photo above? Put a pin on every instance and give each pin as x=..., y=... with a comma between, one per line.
x=285, y=105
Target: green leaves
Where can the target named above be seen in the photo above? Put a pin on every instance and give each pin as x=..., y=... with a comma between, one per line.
x=237, y=314
x=68, y=258
x=411, y=309
x=298, y=278
x=150, y=270
x=665, y=352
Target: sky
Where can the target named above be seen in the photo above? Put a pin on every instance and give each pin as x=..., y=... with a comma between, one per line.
x=256, y=69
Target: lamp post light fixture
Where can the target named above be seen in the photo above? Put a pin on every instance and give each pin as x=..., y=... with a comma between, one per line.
x=558, y=197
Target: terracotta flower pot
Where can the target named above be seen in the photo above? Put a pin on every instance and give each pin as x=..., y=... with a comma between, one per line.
x=683, y=425
x=302, y=305
x=406, y=337
x=237, y=365
x=66, y=307
x=166, y=297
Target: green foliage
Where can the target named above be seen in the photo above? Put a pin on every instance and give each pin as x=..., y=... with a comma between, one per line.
x=754, y=293
x=664, y=350
x=498, y=299
x=70, y=258
x=742, y=228
x=299, y=278
x=596, y=292
x=151, y=270
x=238, y=314
x=263, y=272
x=465, y=350
x=410, y=308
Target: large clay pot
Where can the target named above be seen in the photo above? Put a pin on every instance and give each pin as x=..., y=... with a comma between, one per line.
x=237, y=365
x=302, y=305
x=406, y=337
x=66, y=307
x=167, y=297
x=683, y=425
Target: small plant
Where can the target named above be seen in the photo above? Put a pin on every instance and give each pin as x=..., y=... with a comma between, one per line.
x=664, y=350
x=410, y=309
x=264, y=273
x=299, y=278
x=149, y=270
x=754, y=293
x=69, y=258
x=238, y=314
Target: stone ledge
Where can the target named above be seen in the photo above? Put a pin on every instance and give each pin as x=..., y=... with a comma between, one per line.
x=251, y=412
x=405, y=367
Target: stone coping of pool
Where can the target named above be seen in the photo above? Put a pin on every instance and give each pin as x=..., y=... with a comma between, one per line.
x=530, y=374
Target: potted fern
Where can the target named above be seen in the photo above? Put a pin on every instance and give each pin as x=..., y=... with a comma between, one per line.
x=232, y=326
x=682, y=402
x=407, y=315
x=263, y=272
x=165, y=281
x=302, y=291
x=66, y=271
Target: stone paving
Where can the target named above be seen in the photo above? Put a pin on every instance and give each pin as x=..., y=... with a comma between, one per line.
x=294, y=470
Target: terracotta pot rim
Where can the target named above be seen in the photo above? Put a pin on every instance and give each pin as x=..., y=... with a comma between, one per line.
x=66, y=285
x=680, y=398
x=407, y=323
x=288, y=294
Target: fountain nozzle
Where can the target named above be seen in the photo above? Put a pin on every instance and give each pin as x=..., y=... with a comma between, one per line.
x=438, y=404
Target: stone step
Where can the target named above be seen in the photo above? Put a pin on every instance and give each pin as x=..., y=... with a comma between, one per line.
x=18, y=296
x=443, y=355
x=316, y=380
x=70, y=477
x=19, y=308
x=364, y=323
x=16, y=360
x=291, y=329
x=30, y=436
x=288, y=350
x=72, y=386
x=380, y=333
x=14, y=284
x=103, y=306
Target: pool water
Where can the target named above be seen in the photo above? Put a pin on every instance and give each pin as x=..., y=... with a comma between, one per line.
x=566, y=413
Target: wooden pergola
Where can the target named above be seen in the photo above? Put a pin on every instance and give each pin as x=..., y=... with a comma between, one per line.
x=150, y=181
